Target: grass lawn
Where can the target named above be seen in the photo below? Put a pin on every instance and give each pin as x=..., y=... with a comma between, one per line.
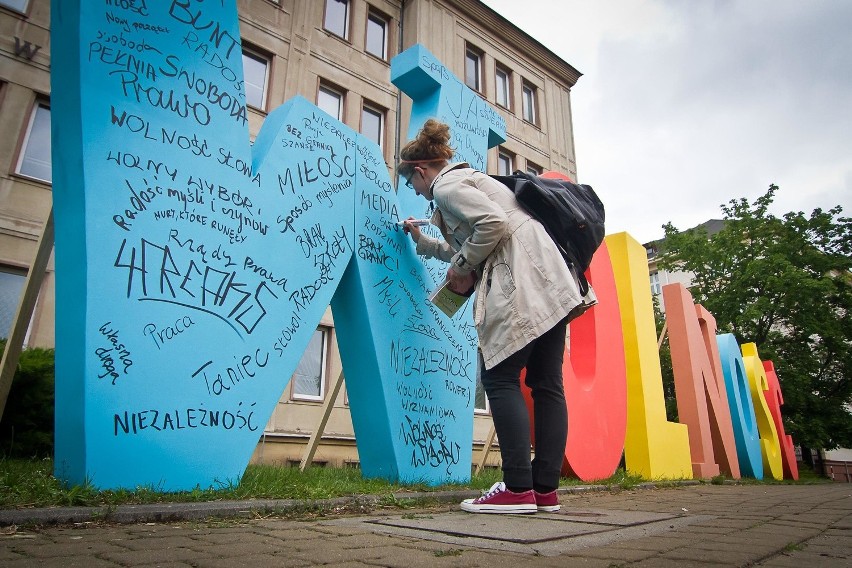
x=30, y=483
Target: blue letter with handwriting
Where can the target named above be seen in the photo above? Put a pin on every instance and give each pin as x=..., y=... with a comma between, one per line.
x=193, y=267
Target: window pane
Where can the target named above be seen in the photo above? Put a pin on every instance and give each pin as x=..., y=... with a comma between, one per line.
x=11, y=286
x=471, y=70
x=655, y=283
x=254, y=68
x=480, y=401
x=502, y=88
x=504, y=165
x=529, y=104
x=19, y=5
x=371, y=125
x=337, y=17
x=330, y=102
x=35, y=159
x=308, y=378
x=376, y=36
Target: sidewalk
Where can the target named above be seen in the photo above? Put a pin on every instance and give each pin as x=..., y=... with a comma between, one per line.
x=691, y=525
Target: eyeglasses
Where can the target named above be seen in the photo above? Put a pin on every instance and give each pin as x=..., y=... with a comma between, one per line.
x=408, y=183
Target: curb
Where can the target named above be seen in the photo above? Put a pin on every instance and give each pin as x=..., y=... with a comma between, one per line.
x=171, y=512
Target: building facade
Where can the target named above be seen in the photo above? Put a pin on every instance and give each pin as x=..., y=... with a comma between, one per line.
x=337, y=54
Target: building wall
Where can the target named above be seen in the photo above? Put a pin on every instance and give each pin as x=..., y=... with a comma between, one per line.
x=301, y=56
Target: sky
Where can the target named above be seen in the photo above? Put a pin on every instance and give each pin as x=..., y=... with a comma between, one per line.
x=685, y=105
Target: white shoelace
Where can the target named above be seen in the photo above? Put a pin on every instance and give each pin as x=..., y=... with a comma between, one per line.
x=498, y=487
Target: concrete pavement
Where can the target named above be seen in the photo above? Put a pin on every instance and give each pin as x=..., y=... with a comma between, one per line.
x=690, y=525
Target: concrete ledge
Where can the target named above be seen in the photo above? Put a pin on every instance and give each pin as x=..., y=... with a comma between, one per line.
x=165, y=512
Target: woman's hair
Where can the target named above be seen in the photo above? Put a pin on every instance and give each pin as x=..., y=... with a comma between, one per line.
x=431, y=145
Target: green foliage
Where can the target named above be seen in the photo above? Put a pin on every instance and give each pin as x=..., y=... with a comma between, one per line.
x=26, y=429
x=666, y=365
x=783, y=283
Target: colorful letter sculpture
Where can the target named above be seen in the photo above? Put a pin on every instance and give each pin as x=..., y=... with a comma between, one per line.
x=740, y=404
x=702, y=401
x=654, y=448
x=596, y=381
x=193, y=267
x=770, y=444
x=775, y=400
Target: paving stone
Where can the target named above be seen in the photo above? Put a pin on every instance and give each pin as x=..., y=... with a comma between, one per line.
x=723, y=557
x=281, y=560
x=155, y=556
x=163, y=542
x=174, y=565
x=58, y=562
x=657, y=543
x=67, y=549
x=295, y=533
x=619, y=555
x=791, y=561
x=774, y=526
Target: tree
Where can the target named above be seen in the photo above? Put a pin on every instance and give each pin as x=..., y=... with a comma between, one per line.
x=784, y=284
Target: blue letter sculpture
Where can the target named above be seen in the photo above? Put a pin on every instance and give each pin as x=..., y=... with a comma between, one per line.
x=193, y=268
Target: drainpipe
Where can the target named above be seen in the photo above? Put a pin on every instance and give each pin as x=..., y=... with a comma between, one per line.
x=399, y=93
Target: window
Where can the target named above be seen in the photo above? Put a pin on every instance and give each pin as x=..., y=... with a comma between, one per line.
x=533, y=169
x=34, y=161
x=472, y=61
x=309, y=378
x=504, y=164
x=330, y=101
x=655, y=283
x=17, y=5
x=256, y=77
x=11, y=287
x=480, y=400
x=373, y=124
x=377, y=36
x=503, y=87
x=529, y=103
x=337, y=17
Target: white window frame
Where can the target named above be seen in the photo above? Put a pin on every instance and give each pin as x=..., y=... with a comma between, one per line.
x=251, y=54
x=331, y=91
x=22, y=156
x=375, y=111
x=506, y=82
x=534, y=169
x=378, y=20
x=506, y=158
x=12, y=5
x=529, y=103
x=656, y=287
x=473, y=57
x=324, y=331
x=346, y=15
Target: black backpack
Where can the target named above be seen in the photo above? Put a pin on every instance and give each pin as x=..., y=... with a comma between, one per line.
x=572, y=215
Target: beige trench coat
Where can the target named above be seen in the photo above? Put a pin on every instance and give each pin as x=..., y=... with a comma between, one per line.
x=524, y=286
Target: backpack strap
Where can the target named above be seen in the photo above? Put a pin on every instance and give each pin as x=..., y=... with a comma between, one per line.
x=458, y=166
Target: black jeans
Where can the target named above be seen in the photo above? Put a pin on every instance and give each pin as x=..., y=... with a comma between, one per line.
x=543, y=361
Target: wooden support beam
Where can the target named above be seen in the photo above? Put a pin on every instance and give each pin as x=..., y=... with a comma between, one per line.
x=26, y=305
x=327, y=406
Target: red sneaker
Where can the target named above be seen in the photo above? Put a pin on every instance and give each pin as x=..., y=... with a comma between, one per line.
x=498, y=499
x=547, y=502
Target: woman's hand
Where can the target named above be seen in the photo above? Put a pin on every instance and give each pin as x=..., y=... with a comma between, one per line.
x=460, y=283
x=410, y=228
